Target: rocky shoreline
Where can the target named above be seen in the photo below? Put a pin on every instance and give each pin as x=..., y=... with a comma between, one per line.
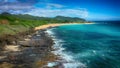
x=30, y=49
x=27, y=50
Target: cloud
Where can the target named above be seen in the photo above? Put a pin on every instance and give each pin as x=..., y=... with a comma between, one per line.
x=48, y=5
x=53, y=5
x=55, y=12
x=15, y=7
x=10, y=5
x=21, y=1
x=18, y=11
x=40, y=8
x=9, y=0
x=7, y=5
x=29, y=1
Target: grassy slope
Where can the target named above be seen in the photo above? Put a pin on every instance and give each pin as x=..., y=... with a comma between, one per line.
x=12, y=24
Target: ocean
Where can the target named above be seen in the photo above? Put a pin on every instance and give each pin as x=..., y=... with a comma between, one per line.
x=87, y=45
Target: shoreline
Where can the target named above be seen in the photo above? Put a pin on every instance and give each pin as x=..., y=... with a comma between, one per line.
x=55, y=25
x=38, y=46
x=57, y=61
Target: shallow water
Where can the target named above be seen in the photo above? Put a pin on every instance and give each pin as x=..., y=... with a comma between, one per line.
x=88, y=45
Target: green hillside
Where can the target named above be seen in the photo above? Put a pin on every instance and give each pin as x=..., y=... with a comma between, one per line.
x=12, y=24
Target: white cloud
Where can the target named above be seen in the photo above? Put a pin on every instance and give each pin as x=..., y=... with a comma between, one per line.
x=42, y=9
x=55, y=12
x=15, y=6
x=49, y=5
x=52, y=5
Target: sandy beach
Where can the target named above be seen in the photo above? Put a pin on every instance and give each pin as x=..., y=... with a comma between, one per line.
x=52, y=25
x=56, y=24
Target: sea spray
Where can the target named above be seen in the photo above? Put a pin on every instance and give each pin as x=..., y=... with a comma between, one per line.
x=66, y=60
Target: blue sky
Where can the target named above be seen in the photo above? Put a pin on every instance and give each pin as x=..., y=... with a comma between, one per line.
x=88, y=9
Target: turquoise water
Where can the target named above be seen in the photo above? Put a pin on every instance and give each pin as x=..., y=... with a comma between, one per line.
x=88, y=45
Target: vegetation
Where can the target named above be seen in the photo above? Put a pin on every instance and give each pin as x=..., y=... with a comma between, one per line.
x=12, y=24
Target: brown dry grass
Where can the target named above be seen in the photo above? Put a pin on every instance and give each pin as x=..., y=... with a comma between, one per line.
x=6, y=65
x=4, y=21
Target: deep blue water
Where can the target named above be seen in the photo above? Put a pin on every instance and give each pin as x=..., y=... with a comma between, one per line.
x=88, y=45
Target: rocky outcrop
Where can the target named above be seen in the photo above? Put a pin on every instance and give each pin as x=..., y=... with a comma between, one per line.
x=33, y=52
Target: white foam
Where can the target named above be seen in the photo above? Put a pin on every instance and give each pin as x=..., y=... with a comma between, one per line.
x=74, y=65
x=52, y=64
x=68, y=62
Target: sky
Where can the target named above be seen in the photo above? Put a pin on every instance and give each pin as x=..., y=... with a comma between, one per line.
x=87, y=9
